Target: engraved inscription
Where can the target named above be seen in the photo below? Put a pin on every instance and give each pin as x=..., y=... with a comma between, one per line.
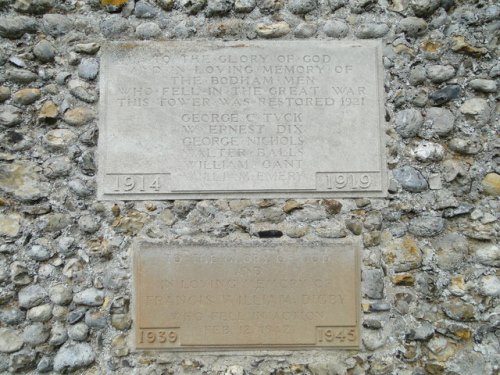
x=242, y=297
x=347, y=181
x=158, y=337
x=137, y=183
x=232, y=119
x=336, y=335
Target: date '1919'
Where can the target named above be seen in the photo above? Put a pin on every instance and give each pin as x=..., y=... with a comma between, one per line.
x=348, y=181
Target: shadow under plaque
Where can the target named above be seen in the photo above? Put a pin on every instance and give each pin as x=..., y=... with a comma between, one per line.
x=246, y=297
x=252, y=119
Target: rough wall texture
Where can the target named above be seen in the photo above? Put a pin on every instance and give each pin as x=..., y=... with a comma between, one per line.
x=430, y=258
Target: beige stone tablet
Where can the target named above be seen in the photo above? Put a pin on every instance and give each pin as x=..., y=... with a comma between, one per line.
x=210, y=297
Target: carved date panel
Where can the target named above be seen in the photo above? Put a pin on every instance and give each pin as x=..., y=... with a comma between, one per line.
x=242, y=297
x=207, y=119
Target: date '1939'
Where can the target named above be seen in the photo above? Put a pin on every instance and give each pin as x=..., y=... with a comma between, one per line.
x=158, y=336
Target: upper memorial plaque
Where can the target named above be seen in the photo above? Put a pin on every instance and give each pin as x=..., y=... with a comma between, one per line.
x=241, y=119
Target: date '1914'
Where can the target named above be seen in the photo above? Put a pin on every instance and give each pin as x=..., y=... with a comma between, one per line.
x=138, y=183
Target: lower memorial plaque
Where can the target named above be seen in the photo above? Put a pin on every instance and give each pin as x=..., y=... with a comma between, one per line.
x=231, y=297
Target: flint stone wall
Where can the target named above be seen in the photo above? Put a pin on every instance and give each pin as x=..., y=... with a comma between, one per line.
x=430, y=283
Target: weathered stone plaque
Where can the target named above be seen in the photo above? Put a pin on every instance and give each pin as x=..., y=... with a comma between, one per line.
x=243, y=297
x=241, y=119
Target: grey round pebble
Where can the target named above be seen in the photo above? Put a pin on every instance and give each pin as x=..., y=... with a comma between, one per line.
x=305, y=30
x=10, y=340
x=81, y=93
x=423, y=332
x=44, y=51
x=60, y=294
x=336, y=4
x=428, y=151
x=76, y=315
x=450, y=250
x=41, y=313
x=44, y=365
x=444, y=95
x=22, y=360
x=193, y=6
x=34, y=6
x=438, y=121
x=4, y=93
x=331, y=229
x=412, y=26
x=56, y=24
x=488, y=254
x=336, y=29
x=21, y=76
x=373, y=283
x=89, y=297
x=35, y=334
x=9, y=116
x=32, y=296
x=244, y=6
x=58, y=334
x=408, y=122
x=39, y=252
x=62, y=77
x=65, y=245
x=96, y=319
x=114, y=26
x=219, y=7
x=302, y=6
x=410, y=179
x=88, y=69
x=423, y=8
x=11, y=315
x=88, y=223
x=73, y=356
x=440, y=73
x=14, y=27
x=144, y=10
x=427, y=226
x=371, y=30
x=166, y=4
x=80, y=188
x=483, y=85
x=372, y=324
x=148, y=30
x=55, y=167
x=465, y=146
x=78, y=331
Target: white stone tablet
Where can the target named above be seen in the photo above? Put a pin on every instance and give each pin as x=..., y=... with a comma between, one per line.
x=241, y=119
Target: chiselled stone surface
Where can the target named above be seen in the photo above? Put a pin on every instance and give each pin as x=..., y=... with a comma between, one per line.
x=241, y=296
x=252, y=119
